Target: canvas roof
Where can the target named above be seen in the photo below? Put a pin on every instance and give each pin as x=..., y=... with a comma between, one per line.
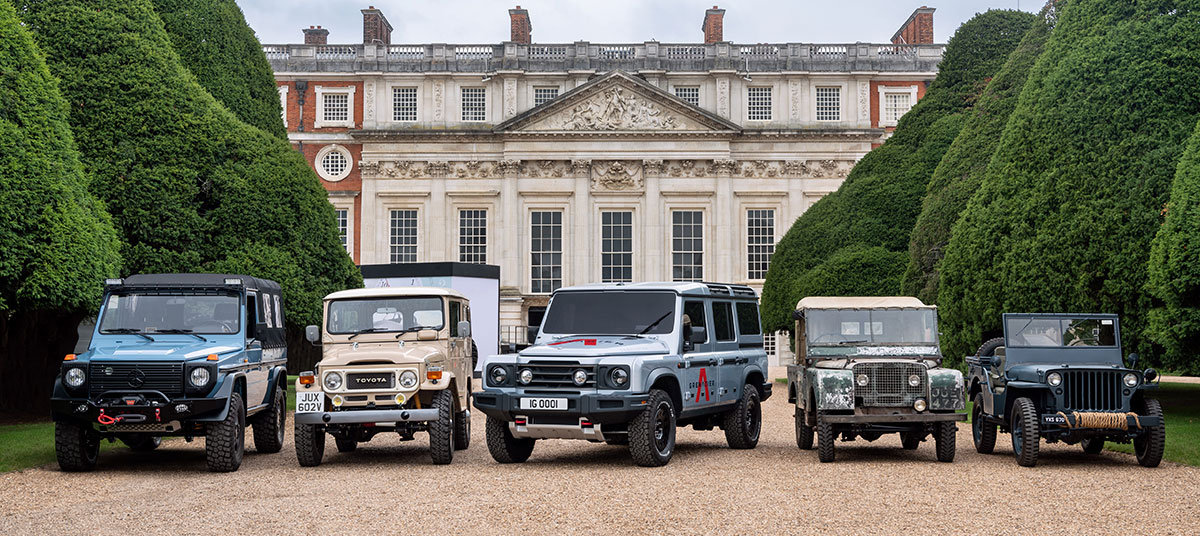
x=861, y=302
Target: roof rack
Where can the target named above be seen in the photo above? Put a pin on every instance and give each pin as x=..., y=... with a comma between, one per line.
x=729, y=289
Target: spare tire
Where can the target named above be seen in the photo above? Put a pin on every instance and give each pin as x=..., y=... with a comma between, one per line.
x=989, y=348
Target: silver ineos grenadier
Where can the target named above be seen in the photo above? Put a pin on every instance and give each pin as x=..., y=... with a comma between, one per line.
x=627, y=363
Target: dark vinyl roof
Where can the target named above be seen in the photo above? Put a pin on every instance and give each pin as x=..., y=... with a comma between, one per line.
x=197, y=280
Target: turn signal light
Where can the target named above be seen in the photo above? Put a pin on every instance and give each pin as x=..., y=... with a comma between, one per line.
x=308, y=379
x=212, y=357
x=433, y=375
x=69, y=357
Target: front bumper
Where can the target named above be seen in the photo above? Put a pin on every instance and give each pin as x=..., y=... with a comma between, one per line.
x=1071, y=422
x=148, y=413
x=367, y=416
x=899, y=418
x=598, y=408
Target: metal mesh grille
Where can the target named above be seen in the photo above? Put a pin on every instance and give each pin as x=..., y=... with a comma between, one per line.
x=888, y=383
x=558, y=374
x=167, y=378
x=1092, y=390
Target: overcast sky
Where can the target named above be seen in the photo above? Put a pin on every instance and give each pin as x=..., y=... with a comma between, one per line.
x=614, y=21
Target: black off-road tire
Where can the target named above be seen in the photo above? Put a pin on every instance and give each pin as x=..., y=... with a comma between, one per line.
x=503, y=446
x=804, y=432
x=988, y=348
x=310, y=444
x=225, y=441
x=474, y=356
x=945, y=441
x=911, y=440
x=269, y=425
x=441, y=431
x=743, y=424
x=1092, y=445
x=652, y=432
x=76, y=446
x=1026, y=432
x=1149, y=446
x=141, y=442
x=345, y=444
x=462, y=430
x=983, y=433
x=825, y=439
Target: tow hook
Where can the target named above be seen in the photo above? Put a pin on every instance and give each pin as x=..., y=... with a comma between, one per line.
x=157, y=415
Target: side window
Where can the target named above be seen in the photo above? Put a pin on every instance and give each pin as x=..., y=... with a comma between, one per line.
x=723, y=321
x=455, y=315
x=278, y=312
x=266, y=308
x=695, y=312
x=251, y=316
x=747, y=315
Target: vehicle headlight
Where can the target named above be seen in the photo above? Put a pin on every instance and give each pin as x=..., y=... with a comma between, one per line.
x=199, y=377
x=579, y=377
x=75, y=377
x=914, y=380
x=920, y=404
x=408, y=379
x=333, y=381
x=863, y=380
x=1131, y=380
x=1150, y=374
x=1054, y=379
x=499, y=375
x=618, y=376
x=525, y=376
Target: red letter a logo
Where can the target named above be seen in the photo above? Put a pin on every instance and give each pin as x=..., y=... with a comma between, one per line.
x=704, y=384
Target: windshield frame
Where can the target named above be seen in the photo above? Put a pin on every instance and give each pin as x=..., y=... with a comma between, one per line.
x=101, y=329
x=669, y=322
x=808, y=326
x=329, y=316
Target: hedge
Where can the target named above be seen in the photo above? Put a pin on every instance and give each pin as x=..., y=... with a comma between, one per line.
x=881, y=198
x=1175, y=268
x=1072, y=197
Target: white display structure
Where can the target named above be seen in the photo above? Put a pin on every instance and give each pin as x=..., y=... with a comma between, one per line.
x=480, y=283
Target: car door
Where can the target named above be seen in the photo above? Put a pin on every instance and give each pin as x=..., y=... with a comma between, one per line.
x=701, y=375
x=258, y=318
x=460, y=346
x=727, y=352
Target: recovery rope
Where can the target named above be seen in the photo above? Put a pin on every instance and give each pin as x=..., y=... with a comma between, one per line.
x=1118, y=421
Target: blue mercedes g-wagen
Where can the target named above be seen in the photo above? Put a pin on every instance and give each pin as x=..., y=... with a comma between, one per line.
x=177, y=355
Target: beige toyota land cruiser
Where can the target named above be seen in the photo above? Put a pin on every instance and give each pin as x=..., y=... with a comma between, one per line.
x=393, y=360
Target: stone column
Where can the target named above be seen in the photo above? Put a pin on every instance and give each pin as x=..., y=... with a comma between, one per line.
x=513, y=272
x=724, y=227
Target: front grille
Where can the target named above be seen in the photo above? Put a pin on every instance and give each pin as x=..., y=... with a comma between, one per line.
x=164, y=377
x=887, y=383
x=369, y=380
x=558, y=375
x=1092, y=390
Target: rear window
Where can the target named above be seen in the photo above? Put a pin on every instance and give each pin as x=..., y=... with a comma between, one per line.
x=747, y=315
x=723, y=321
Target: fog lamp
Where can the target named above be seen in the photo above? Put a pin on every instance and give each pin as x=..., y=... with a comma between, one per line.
x=919, y=405
x=914, y=380
x=525, y=376
x=1131, y=379
x=1054, y=379
x=579, y=377
x=1150, y=374
x=863, y=380
x=338, y=400
x=400, y=400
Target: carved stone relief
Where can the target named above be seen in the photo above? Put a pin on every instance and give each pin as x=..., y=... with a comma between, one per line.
x=369, y=100
x=439, y=100
x=723, y=97
x=864, y=101
x=794, y=94
x=608, y=174
x=510, y=97
x=617, y=175
x=616, y=109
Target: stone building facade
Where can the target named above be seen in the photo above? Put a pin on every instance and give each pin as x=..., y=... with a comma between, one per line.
x=581, y=162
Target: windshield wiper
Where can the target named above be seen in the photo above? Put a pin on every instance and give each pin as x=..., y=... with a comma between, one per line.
x=368, y=330
x=182, y=332
x=129, y=331
x=852, y=342
x=656, y=322
x=412, y=329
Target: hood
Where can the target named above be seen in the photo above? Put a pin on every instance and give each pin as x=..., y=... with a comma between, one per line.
x=598, y=346
x=848, y=363
x=161, y=350
x=366, y=353
x=883, y=351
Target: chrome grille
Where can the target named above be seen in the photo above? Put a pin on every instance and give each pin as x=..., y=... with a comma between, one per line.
x=888, y=383
x=1092, y=390
x=557, y=375
x=165, y=377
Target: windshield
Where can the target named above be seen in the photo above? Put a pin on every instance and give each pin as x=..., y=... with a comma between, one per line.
x=867, y=326
x=1055, y=332
x=158, y=313
x=611, y=313
x=385, y=314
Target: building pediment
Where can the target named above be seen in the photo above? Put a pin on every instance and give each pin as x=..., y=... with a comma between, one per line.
x=617, y=102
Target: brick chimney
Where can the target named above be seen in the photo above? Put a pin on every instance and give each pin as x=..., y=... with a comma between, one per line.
x=316, y=35
x=376, y=28
x=713, y=25
x=522, y=29
x=917, y=30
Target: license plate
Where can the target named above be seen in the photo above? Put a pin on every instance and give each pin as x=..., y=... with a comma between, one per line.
x=557, y=404
x=310, y=402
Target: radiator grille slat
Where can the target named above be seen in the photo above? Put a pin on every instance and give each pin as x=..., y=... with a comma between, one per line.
x=559, y=375
x=1092, y=390
x=888, y=383
x=165, y=377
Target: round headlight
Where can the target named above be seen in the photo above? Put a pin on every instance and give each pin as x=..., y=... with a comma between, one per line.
x=618, y=376
x=499, y=375
x=914, y=380
x=75, y=377
x=408, y=379
x=1054, y=379
x=199, y=377
x=920, y=405
x=1131, y=380
x=863, y=380
x=525, y=376
x=1150, y=374
x=333, y=381
x=579, y=377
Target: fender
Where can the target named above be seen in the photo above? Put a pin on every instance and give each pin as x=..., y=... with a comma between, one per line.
x=658, y=373
x=833, y=388
x=946, y=390
x=224, y=390
x=276, y=379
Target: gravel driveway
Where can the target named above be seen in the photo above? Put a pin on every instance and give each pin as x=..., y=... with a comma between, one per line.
x=576, y=487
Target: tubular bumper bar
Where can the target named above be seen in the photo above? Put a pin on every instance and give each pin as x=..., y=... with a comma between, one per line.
x=365, y=416
x=899, y=418
x=1069, y=421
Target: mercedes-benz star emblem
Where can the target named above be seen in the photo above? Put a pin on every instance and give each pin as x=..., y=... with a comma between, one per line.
x=137, y=378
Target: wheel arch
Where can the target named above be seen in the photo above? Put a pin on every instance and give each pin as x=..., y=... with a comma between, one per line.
x=670, y=384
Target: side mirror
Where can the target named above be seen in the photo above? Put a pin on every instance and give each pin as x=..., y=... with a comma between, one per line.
x=1133, y=360
x=464, y=329
x=313, y=334
x=531, y=334
x=996, y=361
x=697, y=335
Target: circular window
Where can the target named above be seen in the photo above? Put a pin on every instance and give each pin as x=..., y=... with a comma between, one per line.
x=333, y=163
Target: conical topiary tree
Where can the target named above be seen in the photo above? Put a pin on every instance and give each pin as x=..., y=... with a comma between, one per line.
x=219, y=48
x=190, y=186
x=1072, y=197
x=58, y=244
x=880, y=200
